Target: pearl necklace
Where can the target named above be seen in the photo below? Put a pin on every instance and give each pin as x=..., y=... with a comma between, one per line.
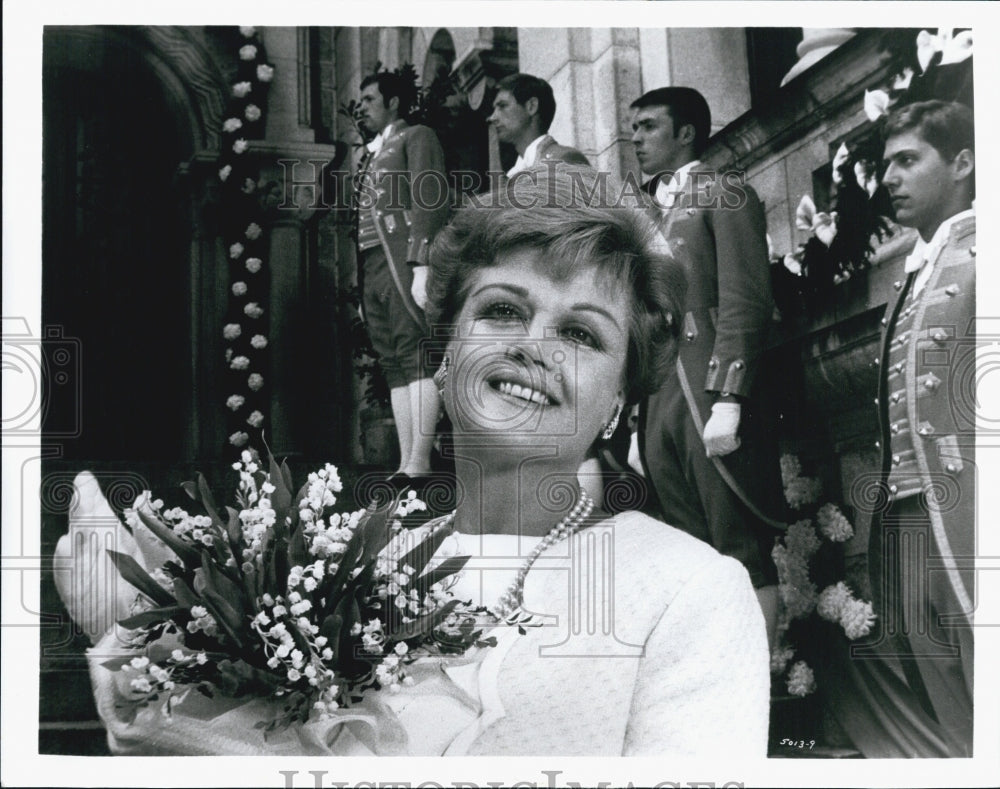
x=508, y=608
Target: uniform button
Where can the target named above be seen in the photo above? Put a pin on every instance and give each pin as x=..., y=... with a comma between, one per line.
x=951, y=290
x=898, y=284
x=690, y=212
x=951, y=468
x=924, y=431
x=930, y=383
x=690, y=337
x=896, y=460
x=885, y=321
x=899, y=367
x=713, y=364
x=878, y=445
x=893, y=489
x=409, y=241
x=940, y=336
x=895, y=397
x=894, y=427
x=972, y=251
x=738, y=365
x=876, y=401
x=875, y=361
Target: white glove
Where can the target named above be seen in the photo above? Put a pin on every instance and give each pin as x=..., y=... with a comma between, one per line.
x=419, y=287
x=720, y=430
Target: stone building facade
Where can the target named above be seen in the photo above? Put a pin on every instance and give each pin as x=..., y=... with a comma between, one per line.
x=135, y=267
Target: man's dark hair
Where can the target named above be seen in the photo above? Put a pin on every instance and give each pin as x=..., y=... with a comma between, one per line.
x=686, y=106
x=392, y=85
x=946, y=126
x=524, y=87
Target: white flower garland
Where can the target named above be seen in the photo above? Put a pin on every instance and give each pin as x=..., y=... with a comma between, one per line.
x=798, y=595
x=245, y=351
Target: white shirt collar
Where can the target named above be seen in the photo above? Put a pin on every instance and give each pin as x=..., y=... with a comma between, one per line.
x=927, y=250
x=667, y=190
x=376, y=145
x=528, y=158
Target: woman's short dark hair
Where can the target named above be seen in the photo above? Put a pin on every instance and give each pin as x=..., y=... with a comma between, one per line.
x=575, y=217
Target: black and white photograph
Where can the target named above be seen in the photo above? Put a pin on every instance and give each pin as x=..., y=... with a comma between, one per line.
x=594, y=391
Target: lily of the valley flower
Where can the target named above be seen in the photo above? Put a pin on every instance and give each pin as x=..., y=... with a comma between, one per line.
x=953, y=49
x=247, y=32
x=235, y=402
x=876, y=104
x=265, y=73
x=240, y=145
x=256, y=419
x=231, y=125
x=241, y=89
x=240, y=363
x=253, y=265
x=231, y=331
x=253, y=310
x=253, y=231
x=239, y=438
x=239, y=289
x=252, y=113
x=235, y=250
x=248, y=52
x=258, y=341
x=225, y=171
x=255, y=381
x=820, y=223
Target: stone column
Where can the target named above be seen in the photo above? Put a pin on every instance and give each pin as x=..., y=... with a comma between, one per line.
x=293, y=195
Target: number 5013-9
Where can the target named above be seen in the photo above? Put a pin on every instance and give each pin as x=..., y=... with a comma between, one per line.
x=798, y=743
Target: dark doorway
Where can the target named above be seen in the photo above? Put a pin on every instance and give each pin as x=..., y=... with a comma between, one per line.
x=116, y=249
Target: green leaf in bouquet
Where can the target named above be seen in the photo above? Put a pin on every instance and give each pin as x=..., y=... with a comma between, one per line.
x=191, y=488
x=298, y=551
x=422, y=553
x=131, y=571
x=185, y=552
x=376, y=529
x=424, y=625
x=117, y=663
x=223, y=613
x=208, y=500
x=333, y=588
x=185, y=595
x=220, y=582
x=278, y=566
x=281, y=496
x=331, y=630
x=286, y=475
x=152, y=616
x=234, y=530
x=448, y=567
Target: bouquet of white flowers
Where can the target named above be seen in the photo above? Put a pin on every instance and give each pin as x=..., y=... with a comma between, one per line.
x=285, y=600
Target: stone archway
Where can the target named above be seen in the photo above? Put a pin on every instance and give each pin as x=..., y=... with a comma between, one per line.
x=125, y=110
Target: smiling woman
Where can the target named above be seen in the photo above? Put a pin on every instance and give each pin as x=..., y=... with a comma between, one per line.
x=557, y=305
